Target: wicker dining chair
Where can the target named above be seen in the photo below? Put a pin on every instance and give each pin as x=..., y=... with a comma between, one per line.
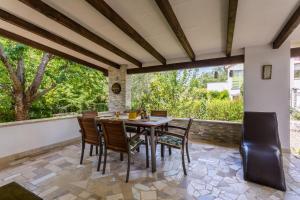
x=90, y=134
x=176, y=140
x=161, y=113
x=116, y=139
x=91, y=114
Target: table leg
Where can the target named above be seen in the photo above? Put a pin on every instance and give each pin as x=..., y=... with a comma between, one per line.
x=153, y=149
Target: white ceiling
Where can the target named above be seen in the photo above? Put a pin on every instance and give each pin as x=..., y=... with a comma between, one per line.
x=203, y=21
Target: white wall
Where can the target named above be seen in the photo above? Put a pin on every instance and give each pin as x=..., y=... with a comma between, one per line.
x=218, y=86
x=269, y=95
x=28, y=136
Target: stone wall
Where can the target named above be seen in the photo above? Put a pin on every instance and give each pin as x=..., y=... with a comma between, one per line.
x=119, y=102
x=228, y=133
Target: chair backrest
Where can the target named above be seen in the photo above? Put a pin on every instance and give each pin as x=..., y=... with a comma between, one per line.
x=89, y=114
x=89, y=130
x=186, y=134
x=115, y=135
x=159, y=113
x=261, y=128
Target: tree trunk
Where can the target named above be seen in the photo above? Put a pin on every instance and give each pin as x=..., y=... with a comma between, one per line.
x=23, y=98
x=21, y=107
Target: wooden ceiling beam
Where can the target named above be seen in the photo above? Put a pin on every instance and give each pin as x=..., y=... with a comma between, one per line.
x=189, y=65
x=232, y=9
x=116, y=19
x=167, y=11
x=12, y=19
x=55, y=15
x=295, y=52
x=45, y=48
x=288, y=28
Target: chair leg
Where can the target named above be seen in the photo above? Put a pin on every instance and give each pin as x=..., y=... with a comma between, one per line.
x=187, y=152
x=121, y=157
x=170, y=151
x=82, y=152
x=147, y=151
x=99, y=161
x=104, y=164
x=91, y=150
x=138, y=149
x=183, y=163
x=97, y=150
x=162, y=150
x=128, y=168
x=100, y=154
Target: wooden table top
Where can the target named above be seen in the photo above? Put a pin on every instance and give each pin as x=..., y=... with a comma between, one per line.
x=153, y=121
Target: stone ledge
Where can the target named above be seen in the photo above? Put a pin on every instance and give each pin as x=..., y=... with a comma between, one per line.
x=210, y=121
x=32, y=121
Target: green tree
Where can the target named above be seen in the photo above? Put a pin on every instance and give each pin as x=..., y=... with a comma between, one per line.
x=23, y=96
x=183, y=93
x=76, y=87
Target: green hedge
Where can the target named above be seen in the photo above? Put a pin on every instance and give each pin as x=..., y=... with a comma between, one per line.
x=227, y=110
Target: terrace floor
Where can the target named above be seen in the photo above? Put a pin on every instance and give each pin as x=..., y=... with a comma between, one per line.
x=214, y=173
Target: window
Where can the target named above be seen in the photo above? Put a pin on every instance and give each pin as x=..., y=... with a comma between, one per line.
x=297, y=71
x=237, y=79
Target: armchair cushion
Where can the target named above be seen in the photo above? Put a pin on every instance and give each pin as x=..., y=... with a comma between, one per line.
x=170, y=140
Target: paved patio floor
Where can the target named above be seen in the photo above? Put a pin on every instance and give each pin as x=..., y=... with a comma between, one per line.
x=214, y=173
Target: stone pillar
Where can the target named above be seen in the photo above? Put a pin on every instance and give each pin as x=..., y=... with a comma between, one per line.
x=122, y=101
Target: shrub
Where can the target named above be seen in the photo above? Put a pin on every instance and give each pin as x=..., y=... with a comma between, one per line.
x=218, y=95
x=227, y=110
x=295, y=114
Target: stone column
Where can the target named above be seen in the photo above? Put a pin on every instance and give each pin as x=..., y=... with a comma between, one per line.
x=122, y=101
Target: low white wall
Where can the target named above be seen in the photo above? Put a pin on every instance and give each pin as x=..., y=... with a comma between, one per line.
x=269, y=95
x=18, y=137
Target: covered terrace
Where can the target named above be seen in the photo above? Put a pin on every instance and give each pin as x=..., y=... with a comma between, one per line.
x=125, y=37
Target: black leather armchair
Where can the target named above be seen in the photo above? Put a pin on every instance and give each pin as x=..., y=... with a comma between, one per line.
x=261, y=150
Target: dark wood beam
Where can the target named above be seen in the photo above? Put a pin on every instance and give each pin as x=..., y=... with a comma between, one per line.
x=188, y=65
x=55, y=15
x=295, y=52
x=115, y=18
x=232, y=8
x=45, y=48
x=167, y=11
x=12, y=19
x=288, y=28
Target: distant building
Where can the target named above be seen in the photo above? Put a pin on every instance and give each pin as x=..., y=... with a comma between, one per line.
x=295, y=83
x=234, y=81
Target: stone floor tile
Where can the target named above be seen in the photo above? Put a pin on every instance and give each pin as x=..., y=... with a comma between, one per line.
x=148, y=195
x=214, y=173
x=115, y=197
x=42, y=179
x=84, y=195
x=67, y=197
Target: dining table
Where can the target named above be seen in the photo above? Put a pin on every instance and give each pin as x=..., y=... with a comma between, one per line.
x=150, y=123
